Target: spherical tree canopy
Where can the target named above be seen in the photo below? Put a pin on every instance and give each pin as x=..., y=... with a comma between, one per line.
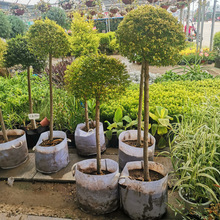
x=5, y=26
x=17, y=26
x=18, y=53
x=3, y=46
x=96, y=76
x=47, y=37
x=58, y=15
x=152, y=33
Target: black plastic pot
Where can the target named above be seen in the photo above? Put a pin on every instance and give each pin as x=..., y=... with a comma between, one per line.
x=114, y=141
x=71, y=136
x=32, y=136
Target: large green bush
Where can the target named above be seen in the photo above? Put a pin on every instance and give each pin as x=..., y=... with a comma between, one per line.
x=177, y=97
x=58, y=15
x=216, y=43
x=17, y=26
x=2, y=51
x=5, y=26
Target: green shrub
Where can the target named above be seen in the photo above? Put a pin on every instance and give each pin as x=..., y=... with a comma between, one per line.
x=5, y=26
x=108, y=43
x=216, y=43
x=17, y=26
x=174, y=96
x=3, y=45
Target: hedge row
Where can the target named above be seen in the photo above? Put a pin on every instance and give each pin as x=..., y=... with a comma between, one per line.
x=177, y=97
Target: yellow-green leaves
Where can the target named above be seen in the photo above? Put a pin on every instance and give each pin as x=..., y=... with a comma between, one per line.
x=3, y=46
x=84, y=39
x=152, y=33
x=47, y=37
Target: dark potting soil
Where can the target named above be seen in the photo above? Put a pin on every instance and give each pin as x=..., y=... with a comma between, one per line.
x=133, y=143
x=10, y=138
x=49, y=143
x=91, y=171
x=138, y=174
x=91, y=127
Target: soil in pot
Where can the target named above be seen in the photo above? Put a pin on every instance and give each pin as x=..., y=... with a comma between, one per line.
x=92, y=171
x=49, y=143
x=91, y=127
x=10, y=138
x=133, y=143
x=138, y=175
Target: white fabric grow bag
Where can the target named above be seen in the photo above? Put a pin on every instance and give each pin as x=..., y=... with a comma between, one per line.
x=128, y=153
x=97, y=194
x=143, y=200
x=51, y=159
x=86, y=141
x=15, y=152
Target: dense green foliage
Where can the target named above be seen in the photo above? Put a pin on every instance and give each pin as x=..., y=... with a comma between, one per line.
x=58, y=15
x=18, y=53
x=108, y=43
x=152, y=33
x=47, y=37
x=5, y=26
x=14, y=102
x=84, y=39
x=216, y=43
x=17, y=26
x=175, y=96
x=96, y=76
x=3, y=46
x=195, y=73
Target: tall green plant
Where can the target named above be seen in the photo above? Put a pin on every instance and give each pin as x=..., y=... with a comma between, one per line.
x=48, y=38
x=97, y=76
x=155, y=35
x=17, y=26
x=18, y=53
x=84, y=39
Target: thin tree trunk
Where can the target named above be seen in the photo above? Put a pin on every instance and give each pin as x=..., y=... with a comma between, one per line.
x=86, y=116
x=140, y=105
x=181, y=16
x=3, y=127
x=98, y=148
x=187, y=18
x=146, y=120
x=33, y=123
x=51, y=97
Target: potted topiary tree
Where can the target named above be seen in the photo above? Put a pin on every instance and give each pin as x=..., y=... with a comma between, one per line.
x=13, y=146
x=156, y=36
x=48, y=38
x=101, y=76
x=18, y=53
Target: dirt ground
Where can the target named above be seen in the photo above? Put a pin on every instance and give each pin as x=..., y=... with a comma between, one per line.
x=45, y=199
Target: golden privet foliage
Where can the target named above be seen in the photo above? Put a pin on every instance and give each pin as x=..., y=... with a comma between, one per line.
x=47, y=37
x=3, y=47
x=152, y=33
x=84, y=39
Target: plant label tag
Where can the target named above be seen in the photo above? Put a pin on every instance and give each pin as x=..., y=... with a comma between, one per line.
x=33, y=116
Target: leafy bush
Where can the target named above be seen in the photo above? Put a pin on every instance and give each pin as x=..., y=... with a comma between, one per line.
x=3, y=46
x=108, y=43
x=174, y=96
x=5, y=26
x=58, y=71
x=216, y=43
x=194, y=72
x=17, y=26
x=14, y=102
x=58, y=15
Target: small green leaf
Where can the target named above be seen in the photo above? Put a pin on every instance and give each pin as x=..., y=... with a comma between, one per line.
x=118, y=115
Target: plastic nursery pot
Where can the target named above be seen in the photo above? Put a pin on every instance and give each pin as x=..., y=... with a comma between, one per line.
x=86, y=141
x=190, y=206
x=54, y=158
x=129, y=153
x=32, y=136
x=114, y=141
x=143, y=200
x=13, y=153
x=97, y=194
x=45, y=122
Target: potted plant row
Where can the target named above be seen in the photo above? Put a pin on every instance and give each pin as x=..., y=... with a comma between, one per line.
x=51, y=150
x=142, y=195
x=95, y=76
